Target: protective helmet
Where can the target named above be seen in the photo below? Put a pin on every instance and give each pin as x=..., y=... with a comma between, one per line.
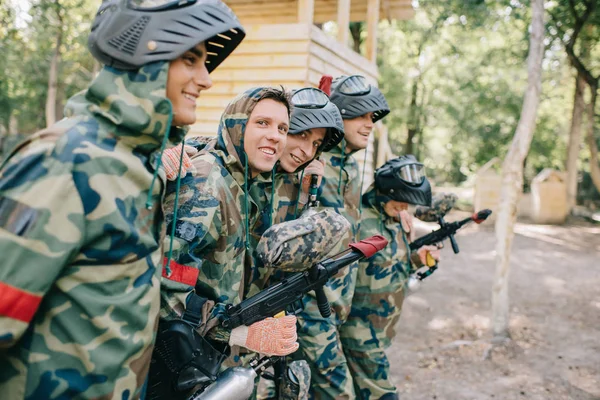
x=354, y=96
x=127, y=34
x=312, y=109
x=403, y=179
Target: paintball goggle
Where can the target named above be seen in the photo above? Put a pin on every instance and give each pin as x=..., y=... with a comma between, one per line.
x=355, y=96
x=313, y=109
x=403, y=179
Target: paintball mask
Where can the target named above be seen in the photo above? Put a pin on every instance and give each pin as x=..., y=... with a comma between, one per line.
x=354, y=96
x=312, y=109
x=403, y=179
x=127, y=34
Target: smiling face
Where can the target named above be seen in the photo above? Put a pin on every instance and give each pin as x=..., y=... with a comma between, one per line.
x=301, y=148
x=357, y=131
x=187, y=77
x=265, y=135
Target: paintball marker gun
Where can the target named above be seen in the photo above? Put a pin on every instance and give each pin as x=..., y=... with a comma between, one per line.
x=292, y=288
x=447, y=230
x=312, y=193
x=237, y=383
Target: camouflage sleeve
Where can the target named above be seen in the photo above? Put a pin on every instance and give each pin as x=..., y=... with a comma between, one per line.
x=197, y=229
x=41, y=228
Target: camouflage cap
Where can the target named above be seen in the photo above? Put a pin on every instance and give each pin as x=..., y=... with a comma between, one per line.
x=297, y=245
x=441, y=204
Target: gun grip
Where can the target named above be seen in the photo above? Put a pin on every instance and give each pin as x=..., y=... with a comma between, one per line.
x=322, y=302
x=454, y=244
x=430, y=260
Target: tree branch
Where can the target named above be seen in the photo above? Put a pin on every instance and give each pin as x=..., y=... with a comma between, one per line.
x=573, y=10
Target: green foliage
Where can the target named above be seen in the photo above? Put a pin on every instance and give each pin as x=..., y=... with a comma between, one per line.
x=28, y=39
x=468, y=59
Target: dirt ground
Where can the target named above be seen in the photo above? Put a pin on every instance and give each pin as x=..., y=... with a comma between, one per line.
x=444, y=331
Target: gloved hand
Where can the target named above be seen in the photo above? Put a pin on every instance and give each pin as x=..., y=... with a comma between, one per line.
x=316, y=167
x=170, y=161
x=433, y=251
x=271, y=336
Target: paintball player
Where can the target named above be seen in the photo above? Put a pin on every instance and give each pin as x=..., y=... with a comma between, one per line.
x=361, y=105
x=81, y=224
x=381, y=280
x=209, y=212
x=315, y=126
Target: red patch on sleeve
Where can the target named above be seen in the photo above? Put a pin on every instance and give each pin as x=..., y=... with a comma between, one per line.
x=180, y=273
x=18, y=304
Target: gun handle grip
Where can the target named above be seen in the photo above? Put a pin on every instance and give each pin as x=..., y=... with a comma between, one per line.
x=454, y=244
x=430, y=260
x=323, y=303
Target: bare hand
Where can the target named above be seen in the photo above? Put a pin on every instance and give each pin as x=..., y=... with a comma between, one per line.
x=316, y=167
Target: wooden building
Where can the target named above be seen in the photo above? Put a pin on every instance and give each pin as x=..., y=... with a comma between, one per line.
x=283, y=46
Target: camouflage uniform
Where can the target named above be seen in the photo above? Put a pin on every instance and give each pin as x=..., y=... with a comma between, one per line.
x=210, y=250
x=319, y=338
x=381, y=286
x=376, y=305
x=79, y=283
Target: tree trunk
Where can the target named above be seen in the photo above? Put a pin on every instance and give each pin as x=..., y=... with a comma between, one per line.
x=512, y=174
x=355, y=30
x=575, y=141
x=13, y=124
x=413, y=118
x=53, y=80
x=591, y=139
x=96, y=69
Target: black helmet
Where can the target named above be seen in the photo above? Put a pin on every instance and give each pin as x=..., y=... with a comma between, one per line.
x=312, y=109
x=403, y=179
x=127, y=34
x=354, y=96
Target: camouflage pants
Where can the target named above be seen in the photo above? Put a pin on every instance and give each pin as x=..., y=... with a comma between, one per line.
x=320, y=342
x=369, y=330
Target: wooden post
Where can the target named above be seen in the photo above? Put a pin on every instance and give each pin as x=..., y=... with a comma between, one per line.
x=343, y=21
x=306, y=11
x=372, y=20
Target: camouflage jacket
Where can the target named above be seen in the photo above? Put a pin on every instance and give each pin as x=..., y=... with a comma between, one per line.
x=340, y=191
x=396, y=255
x=210, y=247
x=79, y=283
x=340, y=188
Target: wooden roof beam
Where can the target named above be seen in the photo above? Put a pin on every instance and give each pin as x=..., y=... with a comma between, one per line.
x=343, y=21
x=372, y=20
x=306, y=11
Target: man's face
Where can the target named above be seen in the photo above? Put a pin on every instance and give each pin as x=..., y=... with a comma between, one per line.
x=187, y=77
x=357, y=131
x=265, y=135
x=392, y=208
x=301, y=148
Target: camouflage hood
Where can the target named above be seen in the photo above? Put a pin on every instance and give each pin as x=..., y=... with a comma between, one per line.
x=132, y=105
x=230, y=136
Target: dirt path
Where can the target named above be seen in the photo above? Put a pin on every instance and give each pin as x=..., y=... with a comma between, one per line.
x=555, y=320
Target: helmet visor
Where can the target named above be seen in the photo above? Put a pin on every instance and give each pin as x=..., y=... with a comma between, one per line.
x=413, y=174
x=158, y=5
x=309, y=98
x=354, y=85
